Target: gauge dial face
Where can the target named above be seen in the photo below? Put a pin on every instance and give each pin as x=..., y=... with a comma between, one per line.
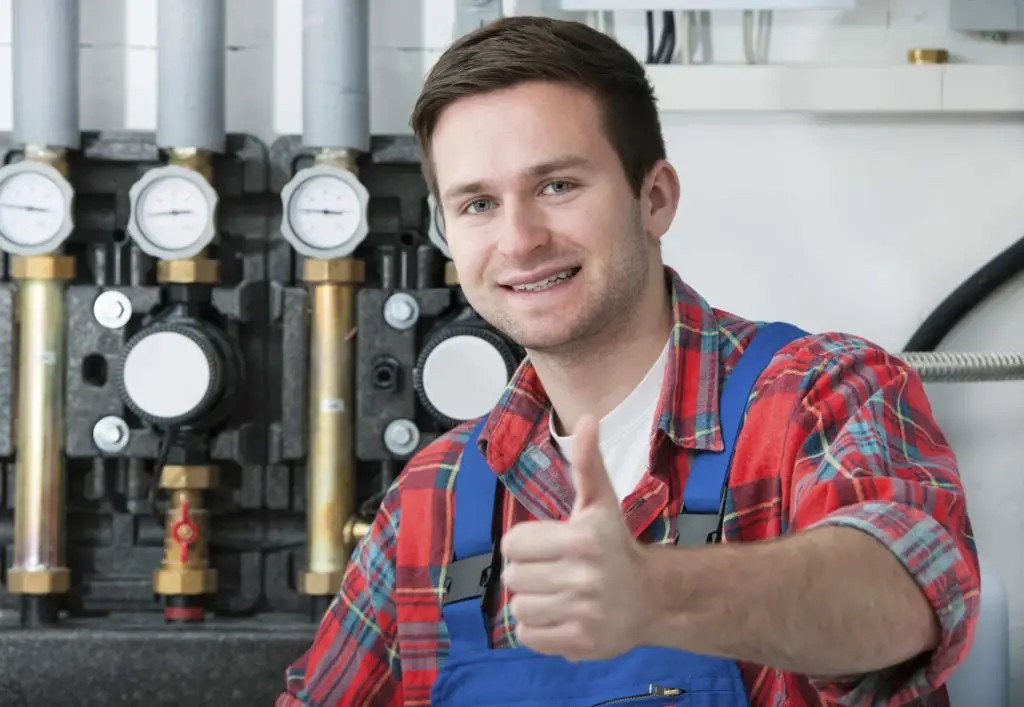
x=32, y=208
x=325, y=212
x=173, y=212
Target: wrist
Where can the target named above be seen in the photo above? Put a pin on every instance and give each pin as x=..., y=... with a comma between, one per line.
x=666, y=605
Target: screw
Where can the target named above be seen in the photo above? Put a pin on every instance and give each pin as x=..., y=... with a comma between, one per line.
x=401, y=437
x=112, y=309
x=110, y=434
x=401, y=311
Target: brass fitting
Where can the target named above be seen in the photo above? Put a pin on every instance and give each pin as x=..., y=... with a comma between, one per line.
x=354, y=531
x=339, y=271
x=185, y=568
x=451, y=274
x=196, y=270
x=928, y=56
x=51, y=266
x=194, y=159
x=343, y=158
x=54, y=580
x=56, y=157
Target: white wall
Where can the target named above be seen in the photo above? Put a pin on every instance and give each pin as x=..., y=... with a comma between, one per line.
x=881, y=217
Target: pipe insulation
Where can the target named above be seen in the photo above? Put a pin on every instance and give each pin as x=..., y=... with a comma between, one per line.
x=336, y=74
x=191, y=59
x=965, y=367
x=44, y=62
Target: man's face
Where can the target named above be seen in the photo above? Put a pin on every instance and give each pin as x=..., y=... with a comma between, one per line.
x=543, y=228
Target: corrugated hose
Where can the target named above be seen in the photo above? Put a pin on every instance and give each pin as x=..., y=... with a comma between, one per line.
x=965, y=367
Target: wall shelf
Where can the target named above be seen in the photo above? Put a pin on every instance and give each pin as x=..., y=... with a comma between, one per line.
x=837, y=89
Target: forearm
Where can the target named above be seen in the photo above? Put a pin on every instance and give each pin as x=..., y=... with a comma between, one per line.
x=832, y=601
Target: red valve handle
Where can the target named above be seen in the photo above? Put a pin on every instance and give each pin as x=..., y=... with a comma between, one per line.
x=185, y=532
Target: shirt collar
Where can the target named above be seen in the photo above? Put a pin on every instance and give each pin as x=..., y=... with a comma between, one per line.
x=687, y=409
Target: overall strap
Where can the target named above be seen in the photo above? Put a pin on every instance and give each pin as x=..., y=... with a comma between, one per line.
x=705, y=493
x=475, y=565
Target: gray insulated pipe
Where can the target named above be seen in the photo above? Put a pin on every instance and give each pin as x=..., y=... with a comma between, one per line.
x=336, y=74
x=190, y=74
x=45, y=67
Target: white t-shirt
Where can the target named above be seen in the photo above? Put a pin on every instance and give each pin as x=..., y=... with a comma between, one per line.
x=625, y=432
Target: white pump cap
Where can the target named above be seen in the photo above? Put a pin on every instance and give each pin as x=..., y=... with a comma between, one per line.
x=463, y=377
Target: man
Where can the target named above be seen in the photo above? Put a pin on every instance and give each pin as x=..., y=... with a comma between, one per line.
x=846, y=571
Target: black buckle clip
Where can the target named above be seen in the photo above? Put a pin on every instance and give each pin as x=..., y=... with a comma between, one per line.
x=469, y=578
x=695, y=529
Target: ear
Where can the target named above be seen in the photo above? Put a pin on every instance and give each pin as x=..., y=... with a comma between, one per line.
x=659, y=199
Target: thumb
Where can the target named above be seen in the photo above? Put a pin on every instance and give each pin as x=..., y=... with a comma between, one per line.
x=593, y=486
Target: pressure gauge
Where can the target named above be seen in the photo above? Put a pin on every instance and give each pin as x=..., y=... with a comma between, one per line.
x=173, y=212
x=436, y=230
x=35, y=208
x=325, y=212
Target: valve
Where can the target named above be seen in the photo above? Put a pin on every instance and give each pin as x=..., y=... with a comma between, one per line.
x=185, y=576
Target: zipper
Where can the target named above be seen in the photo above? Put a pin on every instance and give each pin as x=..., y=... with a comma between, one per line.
x=652, y=691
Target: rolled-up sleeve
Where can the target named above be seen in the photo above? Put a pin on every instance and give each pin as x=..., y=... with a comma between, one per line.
x=872, y=457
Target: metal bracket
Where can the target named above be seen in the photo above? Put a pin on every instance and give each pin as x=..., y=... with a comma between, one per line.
x=473, y=14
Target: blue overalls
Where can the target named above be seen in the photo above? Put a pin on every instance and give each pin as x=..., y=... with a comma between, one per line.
x=476, y=674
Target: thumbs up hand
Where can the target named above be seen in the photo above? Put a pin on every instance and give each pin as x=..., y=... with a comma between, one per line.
x=578, y=585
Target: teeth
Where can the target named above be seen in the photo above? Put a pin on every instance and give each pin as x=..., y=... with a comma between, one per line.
x=545, y=283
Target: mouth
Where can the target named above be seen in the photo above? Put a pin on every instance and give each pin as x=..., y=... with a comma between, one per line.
x=546, y=283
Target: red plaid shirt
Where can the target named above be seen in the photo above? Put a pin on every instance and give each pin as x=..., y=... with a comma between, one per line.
x=838, y=433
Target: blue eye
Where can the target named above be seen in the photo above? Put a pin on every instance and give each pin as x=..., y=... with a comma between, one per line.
x=472, y=204
x=558, y=187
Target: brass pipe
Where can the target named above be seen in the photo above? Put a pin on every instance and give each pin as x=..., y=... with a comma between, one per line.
x=330, y=470
x=38, y=558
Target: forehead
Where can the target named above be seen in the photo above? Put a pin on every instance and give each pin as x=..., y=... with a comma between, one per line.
x=503, y=134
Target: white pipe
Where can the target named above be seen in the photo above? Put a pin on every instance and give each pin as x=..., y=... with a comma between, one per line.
x=336, y=74
x=190, y=74
x=45, y=72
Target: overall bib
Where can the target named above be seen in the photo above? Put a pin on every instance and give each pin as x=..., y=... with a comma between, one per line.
x=476, y=674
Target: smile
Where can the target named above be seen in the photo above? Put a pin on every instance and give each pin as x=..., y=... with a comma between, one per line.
x=547, y=282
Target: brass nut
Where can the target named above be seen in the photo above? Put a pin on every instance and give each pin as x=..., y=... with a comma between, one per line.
x=928, y=56
x=188, y=271
x=341, y=270
x=176, y=476
x=451, y=274
x=43, y=267
x=184, y=581
x=55, y=580
x=320, y=584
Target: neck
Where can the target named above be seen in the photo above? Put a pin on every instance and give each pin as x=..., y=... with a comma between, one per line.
x=601, y=372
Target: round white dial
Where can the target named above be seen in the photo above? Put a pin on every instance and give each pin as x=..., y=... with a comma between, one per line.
x=32, y=208
x=167, y=374
x=173, y=212
x=325, y=211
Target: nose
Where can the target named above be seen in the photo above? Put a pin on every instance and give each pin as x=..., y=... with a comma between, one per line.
x=523, y=230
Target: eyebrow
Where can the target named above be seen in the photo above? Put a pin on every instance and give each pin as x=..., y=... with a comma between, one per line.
x=538, y=170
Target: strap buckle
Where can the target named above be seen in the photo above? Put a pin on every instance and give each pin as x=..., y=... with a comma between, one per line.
x=470, y=578
x=694, y=529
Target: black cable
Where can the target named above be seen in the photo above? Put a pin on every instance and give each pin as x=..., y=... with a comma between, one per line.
x=158, y=467
x=972, y=292
x=650, y=37
x=667, y=42
x=667, y=45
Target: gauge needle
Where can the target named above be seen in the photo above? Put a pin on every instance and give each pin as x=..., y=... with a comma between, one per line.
x=320, y=211
x=20, y=207
x=172, y=212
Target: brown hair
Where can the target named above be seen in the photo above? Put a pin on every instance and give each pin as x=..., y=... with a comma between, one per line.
x=519, y=49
